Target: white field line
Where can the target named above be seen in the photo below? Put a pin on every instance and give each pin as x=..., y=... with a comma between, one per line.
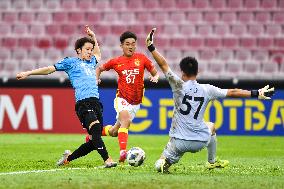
x=47, y=170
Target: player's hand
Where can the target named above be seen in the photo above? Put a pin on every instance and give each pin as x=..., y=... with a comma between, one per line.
x=99, y=81
x=89, y=31
x=155, y=78
x=150, y=40
x=22, y=75
x=265, y=93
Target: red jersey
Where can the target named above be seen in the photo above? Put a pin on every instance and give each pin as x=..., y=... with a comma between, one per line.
x=130, y=72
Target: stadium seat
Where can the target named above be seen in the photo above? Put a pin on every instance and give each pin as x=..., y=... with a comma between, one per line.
x=9, y=42
x=102, y=30
x=234, y=4
x=265, y=42
x=68, y=29
x=151, y=4
x=216, y=70
x=102, y=5
x=187, y=30
x=5, y=54
x=248, y=42
x=5, y=5
x=273, y=30
x=53, y=54
x=262, y=17
x=43, y=17
x=178, y=43
x=184, y=4
x=166, y=4
x=160, y=17
x=238, y=30
x=118, y=5
x=5, y=29
x=19, y=54
x=255, y=30
x=144, y=17
x=37, y=30
x=211, y=17
x=11, y=66
x=110, y=17
x=195, y=42
x=92, y=17
x=204, y=30
x=233, y=69
x=36, y=54
x=52, y=29
x=225, y=55
x=162, y=42
x=69, y=4
x=173, y=55
x=26, y=17
x=280, y=74
x=260, y=55
x=230, y=42
x=137, y=29
x=201, y=4
x=27, y=64
x=135, y=5
x=52, y=4
x=60, y=43
x=191, y=53
x=218, y=4
x=243, y=55
x=85, y=4
x=251, y=4
x=19, y=5
x=35, y=4
x=127, y=17
x=170, y=30
x=59, y=17
x=207, y=55
x=111, y=41
x=221, y=30
x=268, y=69
x=76, y=17
x=268, y=4
x=194, y=17
x=202, y=70
x=177, y=17
x=228, y=17
x=279, y=42
x=26, y=42
x=213, y=42
x=246, y=17
x=10, y=17
x=44, y=42
x=250, y=70
x=118, y=29
x=278, y=17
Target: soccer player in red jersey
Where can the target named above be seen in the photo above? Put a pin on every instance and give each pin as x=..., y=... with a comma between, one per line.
x=130, y=69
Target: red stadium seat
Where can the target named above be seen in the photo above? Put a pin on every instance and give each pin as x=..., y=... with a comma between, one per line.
x=118, y=5
x=43, y=43
x=160, y=17
x=194, y=17
x=233, y=69
x=213, y=42
x=262, y=17
x=11, y=66
x=60, y=43
x=228, y=17
x=178, y=42
x=35, y=4
x=216, y=69
x=36, y=54
x=52, y=4
x=19, y=4
x=251, y=4
x=273, y=30
x=207, y=55
x=248, y=42
x=201, y=4
x=9, y=42
x=118, y=29
x=256, y=30
x=260, y=55
x=170, y=30
x=110, y=17
x=268, y=69
x=221, y=30
x=279, y=42
x=43, y=17
x=135, y=5
x=218, y=4
x=10, y=17
x=53, y=54
x=111, y=41
x=211, y=17
x=268, y=4
x=28, y=64
x=5, y=29
x=243, y=55
x=265, y=42
x=187, y=30
x=281, y=4
x=204, y=30
x=144, y=17
x=151, y=4
x=37, y=30
x=230, y=42
x=162, y=42
x=60, y=17
x=234, y=4
x=102, y=4
x=68, y=29
x=137, y=29
x=19, y=54
x=84, y=4
x=195, y=43
x=245, y=17
x=250, y=70
x=93, y=17
x=27, y=17
x=5, y=54
x=69, y=4
x=184, y=4
x=177, y=17
x=278, y=17
x=173, y=55
x=102, y=30
x=20, y=29
x=166, y=4
x=76, y=17
x=127, y=17
x=52, y=30
x=225, y=55
x=26, y=43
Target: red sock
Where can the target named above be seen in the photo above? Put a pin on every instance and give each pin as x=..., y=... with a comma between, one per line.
x=122, y=138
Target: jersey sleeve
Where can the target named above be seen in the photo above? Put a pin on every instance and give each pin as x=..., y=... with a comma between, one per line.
x=148, y=64
x=94, y=61
x=215, y=92
x=174, y=81
x=109, y=64
x=63, y=64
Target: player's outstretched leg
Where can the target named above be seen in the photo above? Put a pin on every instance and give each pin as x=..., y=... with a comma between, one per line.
x=63, y=160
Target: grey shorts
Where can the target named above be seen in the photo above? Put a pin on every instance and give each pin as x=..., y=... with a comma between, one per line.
x=177, y=147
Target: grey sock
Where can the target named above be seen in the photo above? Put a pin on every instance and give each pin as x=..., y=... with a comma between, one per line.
x=211, y=148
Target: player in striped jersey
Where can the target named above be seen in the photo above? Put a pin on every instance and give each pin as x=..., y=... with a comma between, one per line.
x=189, y=132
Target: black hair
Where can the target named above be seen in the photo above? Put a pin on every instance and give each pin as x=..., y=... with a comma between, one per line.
x=81, y=42
x=189, y=66
x=127, y=35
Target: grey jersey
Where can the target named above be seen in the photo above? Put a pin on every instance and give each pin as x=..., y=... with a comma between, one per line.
x=190, y=102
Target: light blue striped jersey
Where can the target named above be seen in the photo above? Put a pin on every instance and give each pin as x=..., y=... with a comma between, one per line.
x=190, y=102
x=82, y=74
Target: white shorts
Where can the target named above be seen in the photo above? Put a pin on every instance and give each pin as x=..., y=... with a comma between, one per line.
x=121, y=104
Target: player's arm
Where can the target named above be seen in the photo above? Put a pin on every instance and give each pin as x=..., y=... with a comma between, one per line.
x=40, y=71
x=99, y=70
x=161, y=61
x=97, y=51
x=154, y=75
x=264, y=93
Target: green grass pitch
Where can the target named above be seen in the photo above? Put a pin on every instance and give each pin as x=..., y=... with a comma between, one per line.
x=255, y=162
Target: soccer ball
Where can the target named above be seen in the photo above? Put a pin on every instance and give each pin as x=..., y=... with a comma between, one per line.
x=135, y=156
